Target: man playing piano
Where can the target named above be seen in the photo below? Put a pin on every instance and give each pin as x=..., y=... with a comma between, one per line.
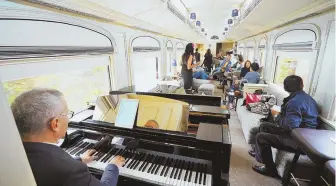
x=42, y=118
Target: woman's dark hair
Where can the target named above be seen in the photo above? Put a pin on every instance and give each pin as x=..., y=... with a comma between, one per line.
x=208, y=51
x=293, y=83
x=255, y=66
x=246, y=63
x=228, y=53
x=189, y=50
x=240, y=58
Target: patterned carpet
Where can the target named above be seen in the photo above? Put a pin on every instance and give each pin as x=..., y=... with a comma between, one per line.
x=241, y=173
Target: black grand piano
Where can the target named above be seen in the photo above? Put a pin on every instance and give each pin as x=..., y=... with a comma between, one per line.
x=156, y=157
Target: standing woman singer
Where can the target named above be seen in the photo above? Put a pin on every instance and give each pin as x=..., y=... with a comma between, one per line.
x=187, y=66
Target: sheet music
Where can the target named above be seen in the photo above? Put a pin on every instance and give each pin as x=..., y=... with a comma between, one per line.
x=127, y=112
x=82, y=116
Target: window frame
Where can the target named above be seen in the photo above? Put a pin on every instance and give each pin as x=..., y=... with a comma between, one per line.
x=58, y=56
x=289, y=48
x=143, y=49
x=265, y=48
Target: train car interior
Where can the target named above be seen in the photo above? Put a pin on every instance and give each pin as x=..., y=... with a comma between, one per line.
x=167, y=92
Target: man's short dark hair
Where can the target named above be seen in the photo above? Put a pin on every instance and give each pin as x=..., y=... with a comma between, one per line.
x=255, y=66
x=196, y=49
x=293, y=83
x=228, y=53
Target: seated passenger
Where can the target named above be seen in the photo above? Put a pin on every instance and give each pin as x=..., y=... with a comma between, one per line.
x=245, y=69
x=299, y=110
x=253, y=76
x=219, y=56
x=42, y=118
x=199, y=73
x=238, y=65
x=225, y=66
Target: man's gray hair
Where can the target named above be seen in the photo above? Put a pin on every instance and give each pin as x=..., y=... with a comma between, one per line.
x=33, y=109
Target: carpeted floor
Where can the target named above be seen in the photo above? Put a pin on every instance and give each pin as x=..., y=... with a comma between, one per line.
x=241, y=173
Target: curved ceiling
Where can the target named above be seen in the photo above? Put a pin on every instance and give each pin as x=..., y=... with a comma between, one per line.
x=213, y=14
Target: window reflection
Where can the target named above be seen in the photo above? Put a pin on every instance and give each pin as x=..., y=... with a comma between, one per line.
x=79, y=87
x=145, y=70
x=293, y=63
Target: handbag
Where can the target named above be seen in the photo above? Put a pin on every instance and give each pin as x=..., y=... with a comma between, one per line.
x=252, y=98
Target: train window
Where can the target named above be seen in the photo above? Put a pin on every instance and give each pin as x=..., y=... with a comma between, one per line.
x=241, y=49
x=145, y=61
x=292, y=63
x=179, y=52
x=249, y=49
x=79, y=87
x=73, y=60
x=262, y=50
x=169, y=58
x=325, y=93
x=295, y=54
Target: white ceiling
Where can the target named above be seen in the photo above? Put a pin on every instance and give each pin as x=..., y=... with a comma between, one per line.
x=154, y=15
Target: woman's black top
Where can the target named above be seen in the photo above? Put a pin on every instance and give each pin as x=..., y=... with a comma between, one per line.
x=207, y=59
x=187, y=74
x=244, y=71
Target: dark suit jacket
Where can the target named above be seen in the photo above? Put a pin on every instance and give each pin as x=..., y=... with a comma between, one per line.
x=52, y=166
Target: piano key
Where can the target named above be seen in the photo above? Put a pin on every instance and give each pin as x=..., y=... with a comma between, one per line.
x=152, y=164
x=158, y=170
x=178, y=169
x=84, y=149
x=157, y=163
x=164, y=167
x=201, y=174
x=187, y=171
x=75, y=146
x=143, y=162
x=192, y=181
x=104, y=160
x=136, y=160
x=133, y=160
x=209, y=180
x=169, y=168
x=197, y=173
x=174, y=169
x=178, y=172
x=146, y=163
x=181, y=181
x=73, y=152
x=205, y=175
x=190, y=174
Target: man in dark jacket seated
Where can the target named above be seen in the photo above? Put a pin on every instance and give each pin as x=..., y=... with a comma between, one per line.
x=299, y=110
x=42, y=118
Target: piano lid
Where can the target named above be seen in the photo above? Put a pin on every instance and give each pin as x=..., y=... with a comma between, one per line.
x=153, y=112
x=166, y=89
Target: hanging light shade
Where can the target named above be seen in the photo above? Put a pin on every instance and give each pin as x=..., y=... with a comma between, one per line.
x=235, y=13
x=214, y=37
x=224, y=33
x=230, y=21
x=202, y=30
x=205, y=34
x=226, y=29
x=193, y=16
x=198, y=23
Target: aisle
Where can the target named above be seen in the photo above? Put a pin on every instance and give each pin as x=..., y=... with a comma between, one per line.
x=241, y=173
